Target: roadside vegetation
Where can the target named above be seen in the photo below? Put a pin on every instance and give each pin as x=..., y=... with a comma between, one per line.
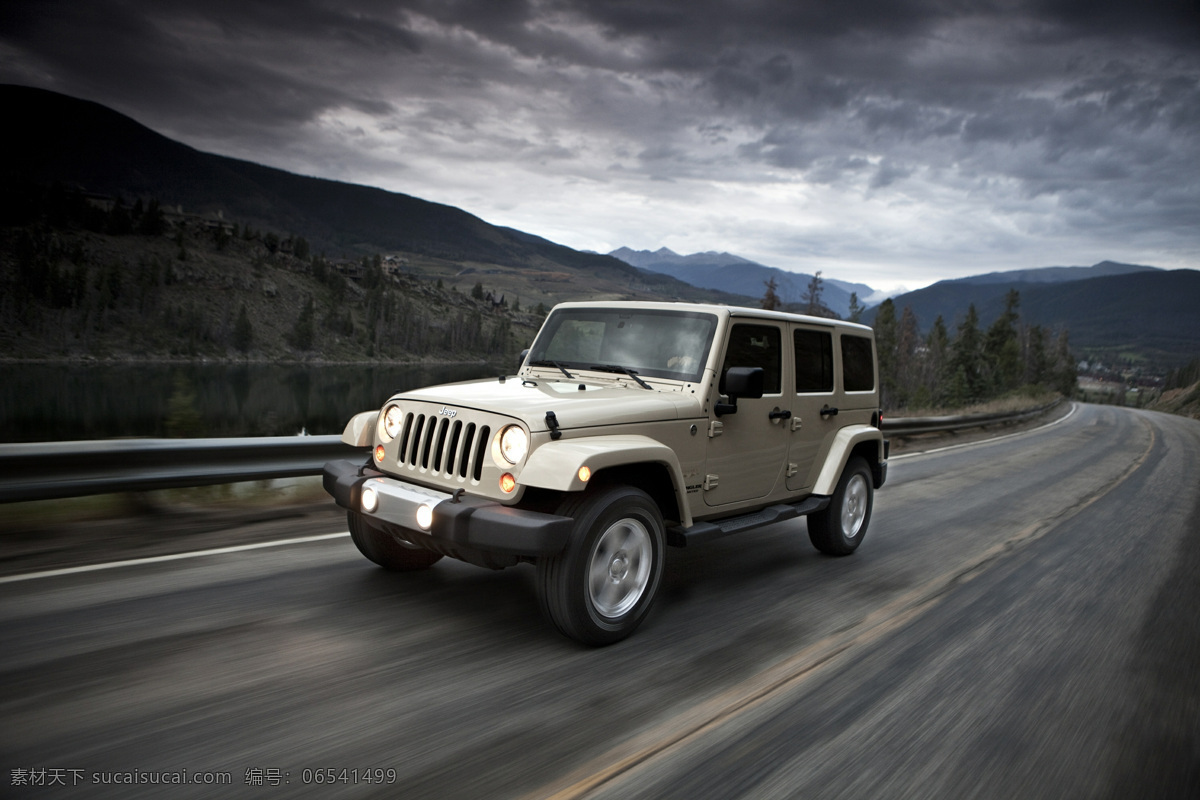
x=1180, y=393
x=1008, y=366
x=972, y=366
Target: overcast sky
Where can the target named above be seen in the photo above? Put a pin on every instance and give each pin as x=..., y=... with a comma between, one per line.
x=892, y=142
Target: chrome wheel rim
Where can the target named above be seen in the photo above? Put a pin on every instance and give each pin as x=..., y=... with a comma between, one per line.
x=854, y=506
x=619, y=568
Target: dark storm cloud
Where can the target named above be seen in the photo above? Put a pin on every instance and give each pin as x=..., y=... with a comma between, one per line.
x=203, y=64
x=1089, y=110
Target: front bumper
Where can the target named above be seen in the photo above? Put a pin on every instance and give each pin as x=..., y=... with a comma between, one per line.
x=458, y=521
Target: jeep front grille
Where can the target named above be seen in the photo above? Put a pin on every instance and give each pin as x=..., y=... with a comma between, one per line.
x=442, y=446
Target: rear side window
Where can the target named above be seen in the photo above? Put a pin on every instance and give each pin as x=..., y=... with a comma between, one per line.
x=756, y=346
x=814, y=361
x=858, y=364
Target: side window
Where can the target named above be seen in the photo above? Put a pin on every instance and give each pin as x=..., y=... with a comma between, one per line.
x=814, y=361
x=858, y=364
x=756, y=346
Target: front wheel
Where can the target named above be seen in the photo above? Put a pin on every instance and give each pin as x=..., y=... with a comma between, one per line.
x=600, y=588
x=382, y=548
x=839, y=528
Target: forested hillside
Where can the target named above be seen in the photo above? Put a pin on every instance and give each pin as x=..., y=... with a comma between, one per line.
x=126, y=282
x=1146, y=317
x=968, y=364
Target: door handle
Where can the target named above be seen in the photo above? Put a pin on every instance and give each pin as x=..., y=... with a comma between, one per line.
x=785, y=414
x=828, y=412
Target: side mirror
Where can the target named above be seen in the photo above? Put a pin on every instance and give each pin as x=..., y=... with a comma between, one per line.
x=740, y=382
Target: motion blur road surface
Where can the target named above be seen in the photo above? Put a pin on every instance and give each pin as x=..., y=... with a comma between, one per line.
x=1021, y=621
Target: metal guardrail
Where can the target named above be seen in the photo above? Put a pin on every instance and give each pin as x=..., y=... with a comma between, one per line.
x=908, y=426
x=52, y=470
x=71, y=469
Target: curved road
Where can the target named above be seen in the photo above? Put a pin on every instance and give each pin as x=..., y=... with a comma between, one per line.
x=1022, y=621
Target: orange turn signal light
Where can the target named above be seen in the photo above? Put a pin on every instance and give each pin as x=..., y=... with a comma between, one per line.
x=585, y=474
x=379, y=453
x=507, y=483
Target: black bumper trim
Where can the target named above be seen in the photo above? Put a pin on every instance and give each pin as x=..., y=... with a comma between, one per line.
x=470, y=522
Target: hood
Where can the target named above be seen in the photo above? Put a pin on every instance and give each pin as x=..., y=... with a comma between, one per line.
x=594, y=404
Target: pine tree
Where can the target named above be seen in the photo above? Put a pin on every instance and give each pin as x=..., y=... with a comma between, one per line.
x=856, y=309
x=908, y=344
x=885, y=344
x=1066, y=373
x=812, y=297
x=1036, y=362
x=770, y=299
x=1002, y=349
x=966, y=361
x=934, y=368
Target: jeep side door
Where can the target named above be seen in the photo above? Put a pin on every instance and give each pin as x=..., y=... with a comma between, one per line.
x=814, y=391
x=747, y=448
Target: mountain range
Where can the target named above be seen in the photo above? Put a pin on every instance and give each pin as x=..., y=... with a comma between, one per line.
x=83, y=144
x=1123, y=310
x=730, y=273
x=1113, y=312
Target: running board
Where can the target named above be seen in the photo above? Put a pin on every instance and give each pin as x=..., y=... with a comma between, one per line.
x=702, y=532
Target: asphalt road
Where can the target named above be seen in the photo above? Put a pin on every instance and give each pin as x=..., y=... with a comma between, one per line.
x=1022, y=621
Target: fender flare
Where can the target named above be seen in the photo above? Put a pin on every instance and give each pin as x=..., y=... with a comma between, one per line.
x=555, y=465
x=844, y=441
x=360, y=430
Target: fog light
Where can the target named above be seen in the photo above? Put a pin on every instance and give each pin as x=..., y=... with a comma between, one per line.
x=507, y=483
x=370, y=500
x=379, y=454
x=424, y=516
x=585, y=474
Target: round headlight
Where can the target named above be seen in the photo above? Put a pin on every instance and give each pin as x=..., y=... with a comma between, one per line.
x=389, y=424
x=513, y=444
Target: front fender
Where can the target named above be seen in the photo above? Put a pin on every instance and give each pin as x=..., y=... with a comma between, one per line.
x=555, y=465
x=360, y=430
x=844, y=442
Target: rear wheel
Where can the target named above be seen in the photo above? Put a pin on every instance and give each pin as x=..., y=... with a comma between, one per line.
x=840, y=527
x=600, y=588
x=382, y=548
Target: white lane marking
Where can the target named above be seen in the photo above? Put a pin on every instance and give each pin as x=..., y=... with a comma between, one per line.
x=1063, y=418
x=216, y=551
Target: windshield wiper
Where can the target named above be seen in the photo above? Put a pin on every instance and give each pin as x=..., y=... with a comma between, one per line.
x=619, y=368
x=545, y=363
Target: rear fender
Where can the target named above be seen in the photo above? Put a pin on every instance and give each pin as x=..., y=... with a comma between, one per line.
x=844, y=442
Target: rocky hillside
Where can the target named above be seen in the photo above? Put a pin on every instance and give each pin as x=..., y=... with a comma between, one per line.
x=117, y=243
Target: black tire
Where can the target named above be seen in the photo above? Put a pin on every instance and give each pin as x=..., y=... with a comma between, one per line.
x=600, y=588
x=382, y=548
x=839, y=529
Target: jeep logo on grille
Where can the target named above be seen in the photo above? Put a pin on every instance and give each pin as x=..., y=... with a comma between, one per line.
x=447, y=412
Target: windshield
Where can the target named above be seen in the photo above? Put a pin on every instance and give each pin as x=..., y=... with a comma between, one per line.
x=648, y=343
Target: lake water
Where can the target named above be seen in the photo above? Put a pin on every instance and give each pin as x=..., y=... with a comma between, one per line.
x=67, y=402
